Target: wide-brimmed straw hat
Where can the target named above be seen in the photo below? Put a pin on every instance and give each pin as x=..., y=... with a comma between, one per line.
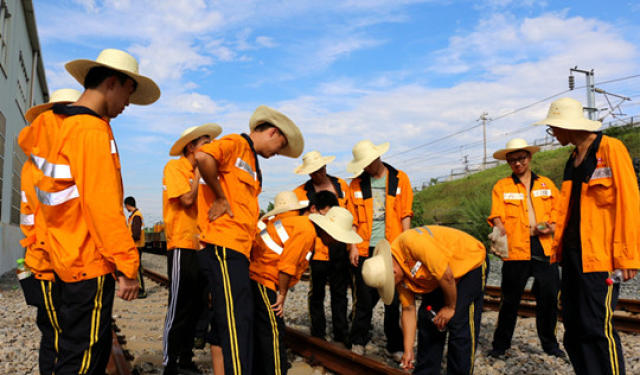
x=295, y=142
x=285, y=201
x=513, y=145
x=312, y=161
x=377, y=271
x=338, y=223
x=567, y=113
x=59, y=96
x=365, y=152
x=146, y=92
x=194, y=132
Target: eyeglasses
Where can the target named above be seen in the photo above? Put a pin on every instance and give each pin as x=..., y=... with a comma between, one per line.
x=550, y=131
x=520, y=160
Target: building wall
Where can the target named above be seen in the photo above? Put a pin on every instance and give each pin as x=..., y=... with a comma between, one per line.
x=20, y=87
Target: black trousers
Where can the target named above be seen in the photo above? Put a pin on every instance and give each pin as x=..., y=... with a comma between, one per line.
x=227, y=272
x=140, y=269
x=186, y=283
x=588, y=303
x=336, y=272
x=44, y=295
x=85, y=320
x=270, y=352
x=545, y=288
x=463, y=328
x=366, y=298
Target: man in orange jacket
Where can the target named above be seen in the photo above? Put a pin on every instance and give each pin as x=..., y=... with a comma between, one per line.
x=40, y=289
x=135, y=222
x=597, y=236
x=79, y=189
x=227, y=219
x=381, y=199
x=328, y=264
x=522, y=209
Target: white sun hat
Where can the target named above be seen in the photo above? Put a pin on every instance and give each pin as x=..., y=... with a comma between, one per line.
x=146, y=92
x=194, y=132
x=63, y=96
x=513, y=145
x=338, y=223
x=285, y=201
x=365, y=152
x=377, y=271
x=312, y=161
x=295, y=142
x=567, y=113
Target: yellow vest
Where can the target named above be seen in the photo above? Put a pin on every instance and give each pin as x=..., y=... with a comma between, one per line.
x=140, y=242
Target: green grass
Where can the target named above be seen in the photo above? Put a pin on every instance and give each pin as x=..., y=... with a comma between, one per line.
x=465, y=203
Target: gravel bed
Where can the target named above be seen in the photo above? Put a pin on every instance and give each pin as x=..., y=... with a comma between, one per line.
x=142, y=321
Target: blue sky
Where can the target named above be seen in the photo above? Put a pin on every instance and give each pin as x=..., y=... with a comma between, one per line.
x=404, y=71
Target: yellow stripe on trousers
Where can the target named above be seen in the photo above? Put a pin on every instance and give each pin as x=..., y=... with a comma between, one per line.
x=51, y=311
x=608, y=332
x=472, y=329
x=231, y=320
x=95, y=323
x=274, y=328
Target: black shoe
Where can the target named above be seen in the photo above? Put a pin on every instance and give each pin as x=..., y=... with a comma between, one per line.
x=142, y=294
x=188, y=368
x=495, y=353
x=556, y=352
x=170, y=369
x=198, y=343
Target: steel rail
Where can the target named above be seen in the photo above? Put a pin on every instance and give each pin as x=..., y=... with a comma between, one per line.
x=118, y=363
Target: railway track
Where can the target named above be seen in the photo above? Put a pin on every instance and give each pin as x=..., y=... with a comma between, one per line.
x=119, y=359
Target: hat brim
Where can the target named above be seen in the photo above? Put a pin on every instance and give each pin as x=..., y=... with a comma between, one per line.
x=280, y=210
x=577, y=124
x=388, y=288
x=308, y=169
x=334, y=231
x=146, y=92
x=295, y=141
x=212, y=130
x=502, y=154
x=357, y=167
x=36, y=110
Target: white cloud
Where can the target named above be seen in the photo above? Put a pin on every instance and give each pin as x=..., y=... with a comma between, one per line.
x=265, y=41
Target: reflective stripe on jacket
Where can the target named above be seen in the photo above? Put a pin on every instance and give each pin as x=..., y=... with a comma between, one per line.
x=398, y=205
x=609, y=210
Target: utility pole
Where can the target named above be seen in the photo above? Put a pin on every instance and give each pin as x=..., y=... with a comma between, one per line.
x=591, y=96
x=484, y=118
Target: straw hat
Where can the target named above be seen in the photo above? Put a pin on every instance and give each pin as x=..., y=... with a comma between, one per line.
x=285, y=201
x=147, y=91
x=377, y=271
x=515, y=144
x=365, y=152
x=338, y=223
x=567, y=113
x=295, y=142
x=312, y=161
x=194, y=132
x=59, y=96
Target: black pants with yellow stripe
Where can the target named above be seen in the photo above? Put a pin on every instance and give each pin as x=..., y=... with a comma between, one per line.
x=270, y=353
x=588, y=303
x=227, y=273
x=85, y=319
x=43, y=294
x=463, y=328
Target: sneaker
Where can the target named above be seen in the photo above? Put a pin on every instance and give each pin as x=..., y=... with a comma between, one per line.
x=170, y=369
x=198, y=343
x=396, y=356
x=556, y=352
x=358, y=349
x=495, y=353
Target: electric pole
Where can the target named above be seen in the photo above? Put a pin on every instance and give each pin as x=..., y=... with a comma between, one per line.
x=484, y=118
x=591, y=96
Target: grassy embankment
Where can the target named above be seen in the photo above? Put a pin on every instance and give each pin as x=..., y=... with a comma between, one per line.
x=466, y=203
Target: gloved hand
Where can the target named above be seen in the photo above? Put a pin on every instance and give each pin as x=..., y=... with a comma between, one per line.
x=499, y=244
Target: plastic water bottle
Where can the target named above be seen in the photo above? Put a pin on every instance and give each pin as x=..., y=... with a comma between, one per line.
x=432, y=315
x=615, y=278
x=22, y=271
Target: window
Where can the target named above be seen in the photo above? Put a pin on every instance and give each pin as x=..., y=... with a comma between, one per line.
x=22, y=85
x=5, y=20
x=18, y=160
x=3, y=134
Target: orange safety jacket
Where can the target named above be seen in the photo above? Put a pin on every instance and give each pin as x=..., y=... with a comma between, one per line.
x=80, y=195
x=609, y=209
x=136, y=213
x=424, y=253
x=284, y=245
x=398, y=203
x=241, y=180
x=306, y=193
x=509, y=203
x=181, y=226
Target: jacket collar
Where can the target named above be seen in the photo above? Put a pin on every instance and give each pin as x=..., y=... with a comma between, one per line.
x=589, y=163
x=73, y=110
x=255, y=156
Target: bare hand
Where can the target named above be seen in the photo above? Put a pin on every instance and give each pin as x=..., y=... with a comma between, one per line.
x=354, y=255
x=407, y=360
x=628, y=274
x=218, y=208
x=127, y=288
x=541, y=232
x=278, y=307
x=443, y=317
